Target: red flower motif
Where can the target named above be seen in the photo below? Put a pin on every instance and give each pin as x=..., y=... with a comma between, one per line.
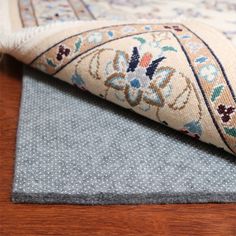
x=225, y=112
x=62, y=52
x=174, y=27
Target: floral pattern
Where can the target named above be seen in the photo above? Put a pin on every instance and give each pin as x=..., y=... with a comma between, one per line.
x=78, y=81
x=138, y=77
x=225, y=112
x=193, y=129
x=208, y=72
x=41, y=12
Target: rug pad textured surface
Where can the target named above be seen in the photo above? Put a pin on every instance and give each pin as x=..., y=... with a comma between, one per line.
x=75, y=148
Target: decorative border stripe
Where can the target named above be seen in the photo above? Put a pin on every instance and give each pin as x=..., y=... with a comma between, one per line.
x=218, y=61
x=58, y=10
x=70, y=2
x=27, y=13
x=126, y=36
x=74, y=35
x=204, y=96
x=87, y=9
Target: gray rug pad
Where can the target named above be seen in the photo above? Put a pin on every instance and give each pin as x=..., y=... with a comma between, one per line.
x=73, y=147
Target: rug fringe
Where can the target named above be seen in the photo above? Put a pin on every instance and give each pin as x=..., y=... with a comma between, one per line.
x=5, y=23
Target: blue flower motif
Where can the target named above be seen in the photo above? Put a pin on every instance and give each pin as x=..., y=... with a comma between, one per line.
x=193, y=129
x=208, y=72
x=136, y=75
x=184, y=36
x=78, y=81
x=147, y=27
x=135, y=83
x=201, y=59
x=110, y=34
x=95, y=37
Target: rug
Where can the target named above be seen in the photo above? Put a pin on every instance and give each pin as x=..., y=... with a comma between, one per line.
x=28, y=13
x=150, y=57
x=73, y=147
x=179, y=73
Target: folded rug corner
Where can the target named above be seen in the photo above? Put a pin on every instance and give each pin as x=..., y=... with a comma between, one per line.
x=179, y=74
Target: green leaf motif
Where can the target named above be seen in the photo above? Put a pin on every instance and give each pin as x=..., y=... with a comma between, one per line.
x=50, y=63
x=230, y=131
x=78, y=45
x=168, y=48
x=216, y=92
x=141, y=40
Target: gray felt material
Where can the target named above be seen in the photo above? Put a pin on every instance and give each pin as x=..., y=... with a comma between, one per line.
x=73, y=147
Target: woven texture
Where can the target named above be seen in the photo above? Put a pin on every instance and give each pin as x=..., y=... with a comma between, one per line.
x=27, y=13
x=75, y=148
x=179, y=73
